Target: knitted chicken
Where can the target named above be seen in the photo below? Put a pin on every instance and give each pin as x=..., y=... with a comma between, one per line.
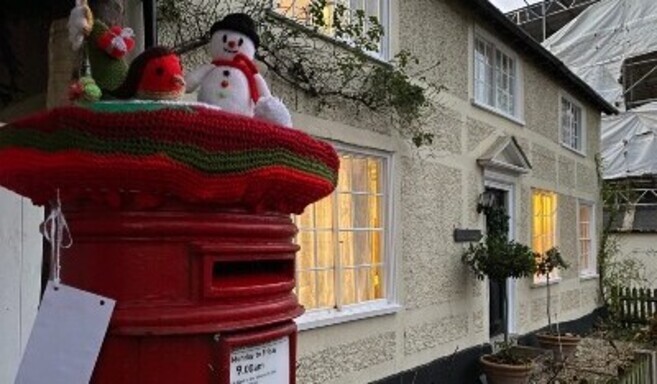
x=156, y=74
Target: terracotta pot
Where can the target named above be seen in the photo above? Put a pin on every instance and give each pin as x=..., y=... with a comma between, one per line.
x=497, y=373
x=561, y=346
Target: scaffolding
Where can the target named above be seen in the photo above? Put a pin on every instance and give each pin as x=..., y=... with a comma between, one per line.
x=546, y=17
x=631, y=205
x=546, y=8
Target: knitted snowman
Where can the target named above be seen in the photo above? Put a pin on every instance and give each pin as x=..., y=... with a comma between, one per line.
x=232, y=81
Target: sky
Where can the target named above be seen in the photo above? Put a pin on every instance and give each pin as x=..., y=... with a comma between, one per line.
x=508, y=5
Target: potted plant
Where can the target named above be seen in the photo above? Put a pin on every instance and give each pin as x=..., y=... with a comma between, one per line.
x=562, y=344
x=498, y=259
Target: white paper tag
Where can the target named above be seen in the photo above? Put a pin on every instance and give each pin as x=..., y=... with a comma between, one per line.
x=66, y=338
x=267, y=363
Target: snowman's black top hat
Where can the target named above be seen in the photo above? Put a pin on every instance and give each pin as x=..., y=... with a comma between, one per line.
x=238, y=22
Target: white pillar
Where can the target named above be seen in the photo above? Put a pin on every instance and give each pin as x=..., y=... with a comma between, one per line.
x=20, y=277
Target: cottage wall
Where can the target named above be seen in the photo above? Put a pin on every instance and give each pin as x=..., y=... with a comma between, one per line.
x=443, y=308
x=640, y=248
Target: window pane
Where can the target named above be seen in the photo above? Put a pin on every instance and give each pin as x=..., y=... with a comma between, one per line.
x=299, y=11
x=365, y=284
x=346, y=248
x=306, y=221
x=361, y=208
x=376, y=244
x=359, y=181
x=374, y=176
x=306, y=255
x=375, y=211
x=344, y=175
x=326, y=289
x=345, y=211
x=483, y=72
x=348, y=286
x=294, y=9
x=306, y=289
x=571, y=124
x=362, y=251
x=325, y=250
x=504, y=73
x=377, y=282
x=324, y=213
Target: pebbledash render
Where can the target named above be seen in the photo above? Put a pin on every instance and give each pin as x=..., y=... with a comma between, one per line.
x=379, y=272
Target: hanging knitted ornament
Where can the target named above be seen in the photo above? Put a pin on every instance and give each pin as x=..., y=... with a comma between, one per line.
x=116, y=41
x=107, y=70
x=79, y=24
x=84, y=89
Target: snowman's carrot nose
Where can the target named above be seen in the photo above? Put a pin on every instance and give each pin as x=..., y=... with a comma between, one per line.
x=224, y=84
x=231, y=44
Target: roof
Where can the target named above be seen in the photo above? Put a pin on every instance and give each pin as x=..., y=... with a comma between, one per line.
x=546, y=60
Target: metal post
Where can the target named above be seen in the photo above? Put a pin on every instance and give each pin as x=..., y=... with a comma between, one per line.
x=150, y=23
x=544, y=20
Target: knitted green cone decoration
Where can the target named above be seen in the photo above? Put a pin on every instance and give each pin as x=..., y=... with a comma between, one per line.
x=109, y=72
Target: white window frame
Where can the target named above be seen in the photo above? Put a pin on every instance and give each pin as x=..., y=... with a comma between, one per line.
x=388, y=305
x=385, y=20
x=518, y=96
x=592, y=269
x=555, y=276
x=563, y=96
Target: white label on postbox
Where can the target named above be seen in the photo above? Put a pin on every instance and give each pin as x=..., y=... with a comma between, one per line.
x=66, y=338
x=267, y=363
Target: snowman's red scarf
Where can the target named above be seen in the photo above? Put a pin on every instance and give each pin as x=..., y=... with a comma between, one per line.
x=249, y=69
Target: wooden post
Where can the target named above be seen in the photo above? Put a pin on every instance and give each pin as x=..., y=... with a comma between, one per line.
x=635, y=306
x=642, y=305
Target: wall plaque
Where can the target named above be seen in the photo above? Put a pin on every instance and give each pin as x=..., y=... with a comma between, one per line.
x=467, y=235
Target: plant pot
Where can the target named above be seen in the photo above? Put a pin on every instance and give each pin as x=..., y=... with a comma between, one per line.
x=562, y=346
x=498, y=373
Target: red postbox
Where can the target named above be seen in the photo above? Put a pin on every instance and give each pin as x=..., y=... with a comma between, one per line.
x=187, y=226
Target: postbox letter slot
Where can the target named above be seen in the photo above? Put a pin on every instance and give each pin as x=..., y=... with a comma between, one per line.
x=253, y=277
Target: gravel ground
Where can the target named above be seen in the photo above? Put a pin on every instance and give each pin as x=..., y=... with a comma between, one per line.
x=595, y=361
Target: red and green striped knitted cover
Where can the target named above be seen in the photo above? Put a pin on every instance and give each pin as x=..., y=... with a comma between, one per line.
x=191, y=152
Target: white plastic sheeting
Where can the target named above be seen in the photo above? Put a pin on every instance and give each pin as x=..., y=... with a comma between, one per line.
x=594, y=46
x=629, y=143
x=595, y=43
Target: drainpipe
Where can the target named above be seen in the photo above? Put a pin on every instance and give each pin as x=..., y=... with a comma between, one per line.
x=150, y=23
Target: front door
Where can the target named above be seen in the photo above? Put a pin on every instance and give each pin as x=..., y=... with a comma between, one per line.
x=496, y=290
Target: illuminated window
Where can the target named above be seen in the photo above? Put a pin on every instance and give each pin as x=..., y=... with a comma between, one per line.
x=544, y=225
x=586, y=235
x=342, y=261
x=572, y=130
x=495, y=77
x=299, y=11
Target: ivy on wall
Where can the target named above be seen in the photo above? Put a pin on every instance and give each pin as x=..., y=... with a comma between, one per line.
x=331, y=70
